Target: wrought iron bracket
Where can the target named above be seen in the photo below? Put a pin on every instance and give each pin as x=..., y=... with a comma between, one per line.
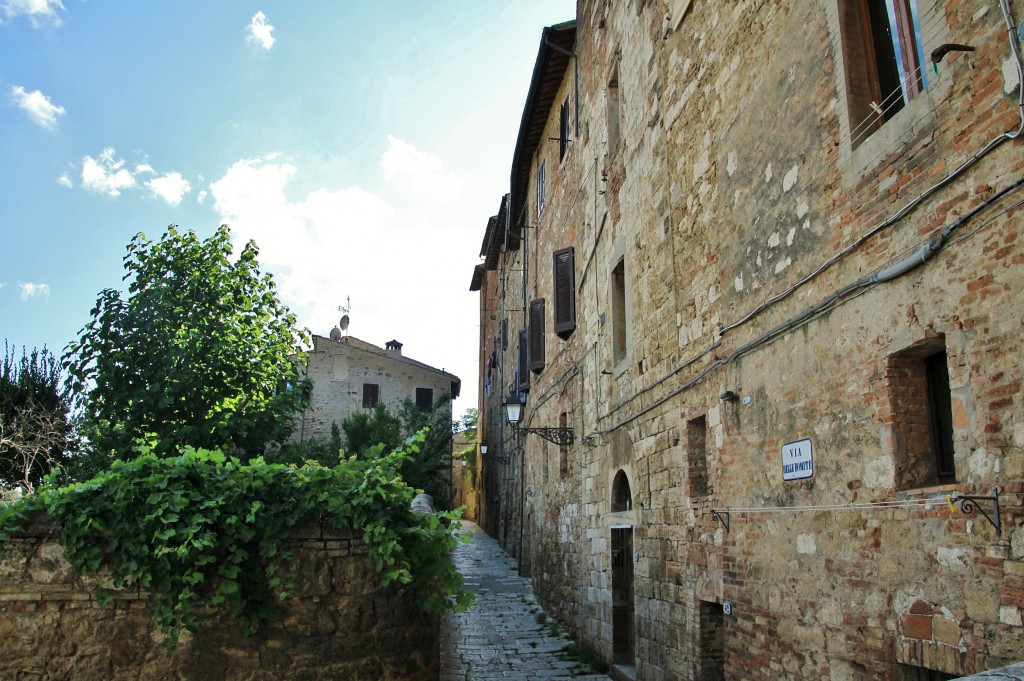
x=968, y=504
x=503, y=460
x=722, y=517
x=559, y=436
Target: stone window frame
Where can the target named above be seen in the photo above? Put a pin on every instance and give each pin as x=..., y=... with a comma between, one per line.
x=917, y=117
x=916, y=445
x=564, y=136
x=540, y=187
x=698, y=484
x=619, y=302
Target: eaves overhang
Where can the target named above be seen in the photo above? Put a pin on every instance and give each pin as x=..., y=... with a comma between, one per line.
x=548, y=74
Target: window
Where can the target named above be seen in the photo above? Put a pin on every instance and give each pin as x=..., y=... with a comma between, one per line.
x=537, y=358
x=696, y=456
x=504, y=334
x=563, y=130
x=523, y=365
x=424, y=399
x=540, y=188
x=922, y=416
x=612, y=100
x=371, y=394
x=565, y=292
x=883, y=57
x=618, y=300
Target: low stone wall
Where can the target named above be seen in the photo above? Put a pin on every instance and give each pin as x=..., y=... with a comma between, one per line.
x=339, y=624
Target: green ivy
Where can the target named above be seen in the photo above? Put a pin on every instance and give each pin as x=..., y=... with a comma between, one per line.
x=202, y=528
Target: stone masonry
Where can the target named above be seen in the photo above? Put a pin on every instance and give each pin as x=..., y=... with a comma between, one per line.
x=339, y=624
x=339, y=370
x=795, y=338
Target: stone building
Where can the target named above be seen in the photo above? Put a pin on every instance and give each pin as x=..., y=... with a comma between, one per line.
x=348, y=374
x=763, y=260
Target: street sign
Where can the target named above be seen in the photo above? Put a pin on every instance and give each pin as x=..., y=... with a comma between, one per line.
x=797, y=460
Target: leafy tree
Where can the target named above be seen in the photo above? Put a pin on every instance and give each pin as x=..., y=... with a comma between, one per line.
x=363, y=429
x=199, y=351
x=35, y=403
x=321, y=451
x=423, y=468
x=467, y=424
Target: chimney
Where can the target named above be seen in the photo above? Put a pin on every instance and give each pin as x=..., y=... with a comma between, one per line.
x=394, y=348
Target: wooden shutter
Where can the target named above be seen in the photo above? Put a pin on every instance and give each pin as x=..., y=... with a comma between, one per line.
x=522, y=367
x=565, y=292
x=537, y=335
x=504, y=334
x=424, y=399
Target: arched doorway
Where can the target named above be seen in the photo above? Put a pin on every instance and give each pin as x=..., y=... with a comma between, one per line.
x=623, y=648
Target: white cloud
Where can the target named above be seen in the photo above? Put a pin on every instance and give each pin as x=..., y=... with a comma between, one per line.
x=421, y=173
x=38, y=11
x=261, y=32
x=38, y=106
x=406, y=264
x=106, y=174
x=30, y=291
x=171, y=187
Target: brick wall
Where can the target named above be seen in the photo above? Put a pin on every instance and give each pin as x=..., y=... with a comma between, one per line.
x=340, y=623
x=741, y=211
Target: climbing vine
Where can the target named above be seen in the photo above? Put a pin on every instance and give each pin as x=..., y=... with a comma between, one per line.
x=203, y=528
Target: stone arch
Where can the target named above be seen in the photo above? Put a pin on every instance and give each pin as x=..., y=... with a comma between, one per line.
x=622, y=495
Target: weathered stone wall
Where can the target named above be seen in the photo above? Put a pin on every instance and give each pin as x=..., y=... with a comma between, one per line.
x=339, y=624
x=735, y=200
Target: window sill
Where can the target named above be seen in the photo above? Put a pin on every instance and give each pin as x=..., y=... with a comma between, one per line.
x=930, y=490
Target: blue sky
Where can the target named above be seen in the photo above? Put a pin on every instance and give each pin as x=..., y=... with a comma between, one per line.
x=362, y=145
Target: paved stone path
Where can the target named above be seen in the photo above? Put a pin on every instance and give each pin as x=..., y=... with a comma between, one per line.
x=502, y=636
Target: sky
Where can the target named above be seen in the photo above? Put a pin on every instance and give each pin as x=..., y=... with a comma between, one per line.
x=362, y=145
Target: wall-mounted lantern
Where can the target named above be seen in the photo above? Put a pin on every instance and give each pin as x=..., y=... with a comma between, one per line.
x=514, y=404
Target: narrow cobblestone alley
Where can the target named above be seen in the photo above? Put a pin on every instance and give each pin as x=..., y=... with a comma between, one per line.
x=506, y=635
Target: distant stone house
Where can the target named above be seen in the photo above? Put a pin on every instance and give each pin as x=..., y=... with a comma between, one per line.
x=349, y=375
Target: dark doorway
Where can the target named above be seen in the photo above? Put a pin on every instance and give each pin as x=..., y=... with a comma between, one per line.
x=712, y=642
x=623, y=650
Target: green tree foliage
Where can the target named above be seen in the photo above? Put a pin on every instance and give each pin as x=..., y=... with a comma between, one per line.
x=35, y=404
x=364, y=429
x=325, y=452
x=423, y=469
x=198, y=352
x=468, y=424
x=202, y=530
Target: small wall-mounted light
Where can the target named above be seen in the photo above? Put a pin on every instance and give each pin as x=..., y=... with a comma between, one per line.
x=483, y=447
x=729, y=396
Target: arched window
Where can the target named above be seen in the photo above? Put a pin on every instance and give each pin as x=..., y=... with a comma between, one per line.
x=622, y=498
